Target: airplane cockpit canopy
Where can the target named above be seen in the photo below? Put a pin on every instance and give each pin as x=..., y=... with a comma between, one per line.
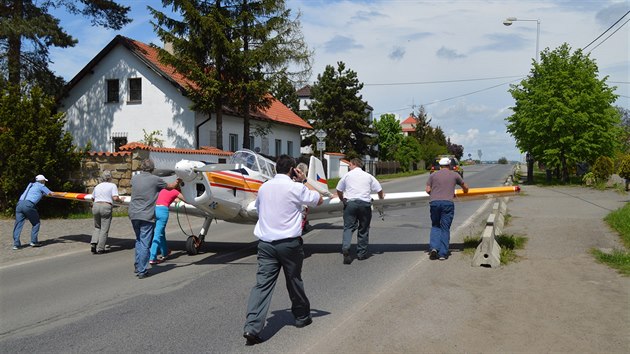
x=254, y=162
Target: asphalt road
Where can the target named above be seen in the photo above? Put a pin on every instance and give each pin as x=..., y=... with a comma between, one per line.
x=78, y=302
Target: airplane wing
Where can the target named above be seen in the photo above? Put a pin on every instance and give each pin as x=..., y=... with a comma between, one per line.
x=125, y=199
x=333, y=207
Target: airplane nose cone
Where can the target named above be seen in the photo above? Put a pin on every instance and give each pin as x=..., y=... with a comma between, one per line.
x=185, y=169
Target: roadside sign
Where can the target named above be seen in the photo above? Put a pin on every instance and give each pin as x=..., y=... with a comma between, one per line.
x=321, y=145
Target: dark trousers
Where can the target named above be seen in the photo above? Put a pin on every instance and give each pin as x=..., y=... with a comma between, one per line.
x=442, y=214
x=361, y=212
x=288, y=255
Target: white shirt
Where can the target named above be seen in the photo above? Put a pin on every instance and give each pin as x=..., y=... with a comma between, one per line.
x=104, y=192
x=358, y=184
x=279, y=204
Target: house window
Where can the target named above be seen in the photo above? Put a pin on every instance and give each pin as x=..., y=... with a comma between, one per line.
x=265, y=145
x=233, y=142
x=112, y=90
x=118, y=140
x=290, y=148
x=278, y=147
x=251, y=142
x=212, y=138
x=135, y=90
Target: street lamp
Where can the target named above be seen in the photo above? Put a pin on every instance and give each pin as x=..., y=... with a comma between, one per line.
x=508, y=22
x=321, y=144
x=530, y=159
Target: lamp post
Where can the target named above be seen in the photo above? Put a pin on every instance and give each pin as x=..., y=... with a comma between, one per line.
x=508, y=22
x=321, y=144
x=530, y=159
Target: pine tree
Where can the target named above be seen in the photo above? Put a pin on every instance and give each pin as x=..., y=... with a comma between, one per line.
x=340, y=111
x=27, y=24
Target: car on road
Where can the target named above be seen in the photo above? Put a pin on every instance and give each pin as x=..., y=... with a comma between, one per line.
x=455, y=165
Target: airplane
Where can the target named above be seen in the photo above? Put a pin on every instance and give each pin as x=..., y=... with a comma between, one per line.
x=228, y=192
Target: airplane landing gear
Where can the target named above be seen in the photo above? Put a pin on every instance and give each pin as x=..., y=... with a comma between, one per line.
x=194, y=243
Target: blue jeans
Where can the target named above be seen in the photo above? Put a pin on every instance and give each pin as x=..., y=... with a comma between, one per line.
x=361, y=212
x=144, y=234
x=442, y=213
x=159, y=236
x=25, y=210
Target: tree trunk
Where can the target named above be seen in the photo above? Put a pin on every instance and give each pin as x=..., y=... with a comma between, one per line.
x=219, y=123
x=15, y=48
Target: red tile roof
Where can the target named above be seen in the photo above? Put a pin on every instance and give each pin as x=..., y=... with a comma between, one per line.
x=277, y=112
x=207, y=150
x=410, y=120
x=105, y=153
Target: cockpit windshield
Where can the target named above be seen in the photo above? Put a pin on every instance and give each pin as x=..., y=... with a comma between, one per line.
x=254, y=162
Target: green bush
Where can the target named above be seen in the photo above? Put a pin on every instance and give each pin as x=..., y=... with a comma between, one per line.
x=603, y=168
x=624, y=167
x=503, y=161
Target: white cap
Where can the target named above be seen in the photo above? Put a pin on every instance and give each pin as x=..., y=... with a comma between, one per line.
x=445, y=161
x=40, y=178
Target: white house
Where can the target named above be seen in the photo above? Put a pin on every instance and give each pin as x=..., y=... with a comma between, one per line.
x=125, y=92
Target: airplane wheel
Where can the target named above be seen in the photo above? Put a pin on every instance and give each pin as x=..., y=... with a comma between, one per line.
x=193, y=244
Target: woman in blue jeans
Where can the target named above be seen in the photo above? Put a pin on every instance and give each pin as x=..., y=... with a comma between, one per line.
x=165, y=198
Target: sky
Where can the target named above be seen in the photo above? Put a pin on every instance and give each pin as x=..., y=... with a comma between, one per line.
x=456, y=58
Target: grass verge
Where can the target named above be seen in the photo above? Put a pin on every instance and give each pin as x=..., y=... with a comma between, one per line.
x=508, y=243
x=619, y=220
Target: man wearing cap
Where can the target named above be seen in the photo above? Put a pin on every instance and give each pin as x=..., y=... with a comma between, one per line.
x=145, y=188
x=26, y=209
x=441, y=188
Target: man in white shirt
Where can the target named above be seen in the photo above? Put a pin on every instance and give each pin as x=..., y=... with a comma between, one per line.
x=354, y=190
x=279, y=204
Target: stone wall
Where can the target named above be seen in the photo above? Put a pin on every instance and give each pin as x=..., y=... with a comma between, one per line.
x=120, y=165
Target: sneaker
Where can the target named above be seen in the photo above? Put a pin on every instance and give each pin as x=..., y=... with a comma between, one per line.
x=433, y=255
x=155, y=261
x=93, y=248
x=346, y=257
x=443, y=258
x=35, y=244
x=142, y=275
x=15, y=248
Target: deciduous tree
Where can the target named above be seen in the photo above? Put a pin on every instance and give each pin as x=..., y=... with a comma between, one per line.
x=563, y=112
x=389, y=134
x=32, y=141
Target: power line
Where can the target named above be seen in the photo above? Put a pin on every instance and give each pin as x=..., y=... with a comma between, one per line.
x=613, y=25
x=605, y=39
x=471, y=93
x=440, y=81
x=462, y=95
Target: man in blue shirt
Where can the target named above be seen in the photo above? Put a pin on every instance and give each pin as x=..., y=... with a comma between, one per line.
x=26, y=209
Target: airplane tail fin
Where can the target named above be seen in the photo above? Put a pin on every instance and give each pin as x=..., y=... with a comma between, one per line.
x=317, y=176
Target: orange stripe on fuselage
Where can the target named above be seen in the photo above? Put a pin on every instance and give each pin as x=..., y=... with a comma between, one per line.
x=225, y=179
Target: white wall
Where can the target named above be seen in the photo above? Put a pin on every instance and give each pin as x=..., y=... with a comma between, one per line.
x=90, y=118
x=234, y=125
